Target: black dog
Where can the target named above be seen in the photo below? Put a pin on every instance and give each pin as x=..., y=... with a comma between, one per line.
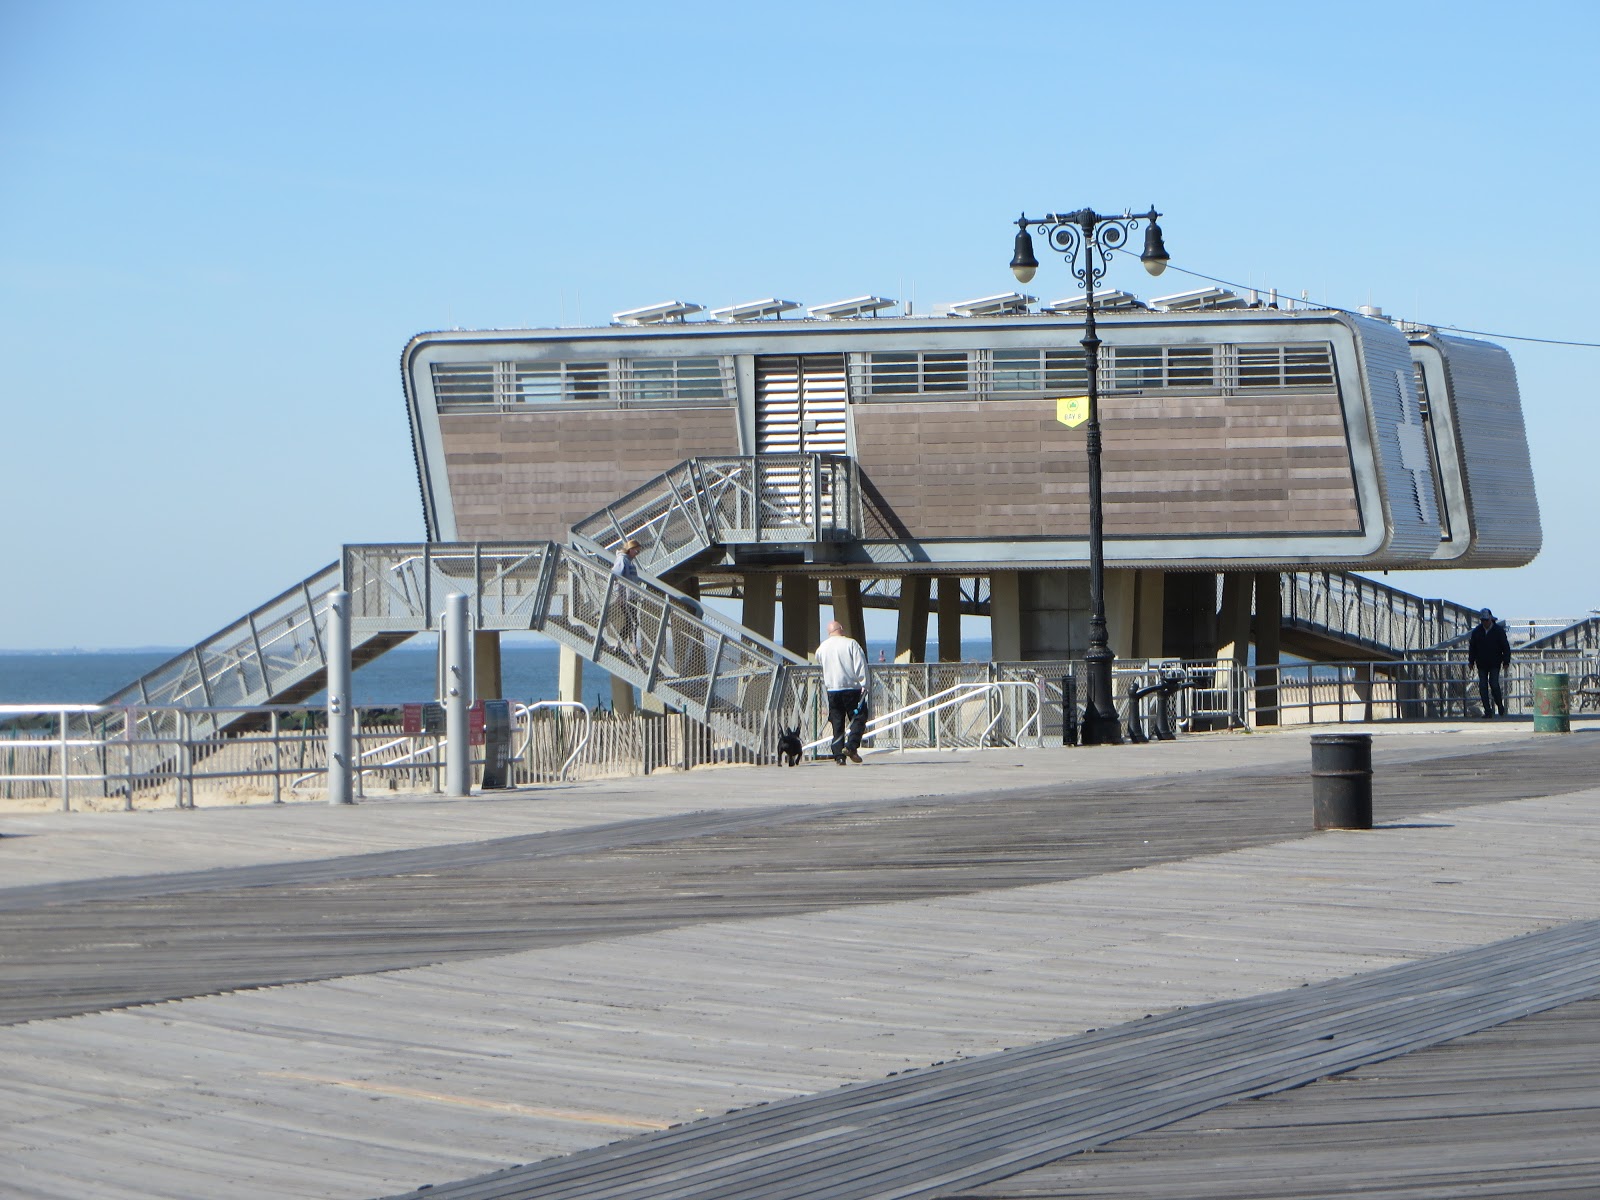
x=789, y=747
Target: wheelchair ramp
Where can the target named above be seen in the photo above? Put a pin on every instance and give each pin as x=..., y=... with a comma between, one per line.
x=1340, y=614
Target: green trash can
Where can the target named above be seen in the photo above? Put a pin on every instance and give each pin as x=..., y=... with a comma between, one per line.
x=1552, y=710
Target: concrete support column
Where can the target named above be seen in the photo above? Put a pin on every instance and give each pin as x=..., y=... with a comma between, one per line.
x=1149, y=619
x=341, y=705
x=622, y=697
x=800, y=618
x=949, y=618
x=1054, y=614
x=1268, y=632
x=759, y=611
x=569, y=676
x=1233, y=617
x=457, y=697
x=1122, y=610
x=486, y=681
x=911, y=633
x=1364, y=690
x=1005, y=617
x=847, y=608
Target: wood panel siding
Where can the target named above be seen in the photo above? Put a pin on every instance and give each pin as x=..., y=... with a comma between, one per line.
x=533, y=475
x=1173, y=466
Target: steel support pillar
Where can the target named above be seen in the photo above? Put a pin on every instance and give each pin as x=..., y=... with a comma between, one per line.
x=457, y=696
x=341, y=705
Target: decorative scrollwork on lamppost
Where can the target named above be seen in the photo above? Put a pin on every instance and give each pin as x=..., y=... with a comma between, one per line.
x=1087, y=239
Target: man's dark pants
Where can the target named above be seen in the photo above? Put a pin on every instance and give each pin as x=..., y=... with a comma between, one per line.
x=1489, y=685
x=842, y=715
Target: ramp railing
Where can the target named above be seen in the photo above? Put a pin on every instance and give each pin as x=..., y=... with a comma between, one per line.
x=1576, y=637
x=1369, y=614
x=963, y=716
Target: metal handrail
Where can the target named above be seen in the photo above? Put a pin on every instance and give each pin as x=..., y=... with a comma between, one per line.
x=960, y=693
x=729, y=500
x=1355, y=608
x=525, y=710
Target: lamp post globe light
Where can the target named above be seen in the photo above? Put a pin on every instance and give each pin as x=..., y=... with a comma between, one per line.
x=1087, y=239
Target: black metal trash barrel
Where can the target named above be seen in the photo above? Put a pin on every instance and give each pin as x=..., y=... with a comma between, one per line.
x=1341, y=780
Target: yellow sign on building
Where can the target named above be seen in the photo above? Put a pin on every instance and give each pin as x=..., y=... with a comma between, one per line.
x=1072, y=411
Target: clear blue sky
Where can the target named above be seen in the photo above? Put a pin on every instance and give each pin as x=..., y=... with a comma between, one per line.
x=222, y=221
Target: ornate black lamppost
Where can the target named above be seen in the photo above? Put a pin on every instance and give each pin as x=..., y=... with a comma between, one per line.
x=1086, y=240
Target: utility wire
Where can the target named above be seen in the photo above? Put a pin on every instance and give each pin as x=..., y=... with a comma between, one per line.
x=1515, y=337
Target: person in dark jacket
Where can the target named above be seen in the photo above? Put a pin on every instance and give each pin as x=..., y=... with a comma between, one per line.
x=1489, y=650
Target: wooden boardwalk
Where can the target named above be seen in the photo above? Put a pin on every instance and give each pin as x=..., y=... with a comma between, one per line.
x=88, y=945
x=1506, y=1114
x=927, y=1132
x=513, y=999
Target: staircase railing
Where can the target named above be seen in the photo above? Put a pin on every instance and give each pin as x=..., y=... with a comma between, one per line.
x=277, y=649
x=723, y=501
x=1370, y=614
x=641, y=631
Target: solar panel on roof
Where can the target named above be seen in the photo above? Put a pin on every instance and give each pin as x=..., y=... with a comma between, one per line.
x=754, y=310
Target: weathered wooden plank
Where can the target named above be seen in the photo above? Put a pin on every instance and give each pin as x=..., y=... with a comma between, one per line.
x=86, y=946
x=398, y=1070
x=1502, y=1114
x=987, y=1118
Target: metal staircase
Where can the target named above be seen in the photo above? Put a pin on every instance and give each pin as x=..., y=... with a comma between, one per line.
x=707, y=504
x=275, y=654
x=646, y=632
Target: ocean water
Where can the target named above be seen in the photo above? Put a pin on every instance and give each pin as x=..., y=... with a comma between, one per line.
x=406, y=673
x=528, y=672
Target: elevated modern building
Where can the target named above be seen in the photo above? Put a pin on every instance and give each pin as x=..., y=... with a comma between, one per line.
x=1252, y=456
x=1240, y=441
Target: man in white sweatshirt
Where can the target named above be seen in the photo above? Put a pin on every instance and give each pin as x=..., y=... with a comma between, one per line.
x=844, y=677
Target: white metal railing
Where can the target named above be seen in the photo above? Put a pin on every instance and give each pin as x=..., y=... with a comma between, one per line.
x=640, y=630
x=102, y=756
x=972, y=703
x=101, y=753
x=732, y=500
x=523, y=713
x=1428, y=689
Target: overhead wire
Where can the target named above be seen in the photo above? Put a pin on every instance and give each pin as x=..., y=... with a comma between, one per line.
x=1515, y=337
